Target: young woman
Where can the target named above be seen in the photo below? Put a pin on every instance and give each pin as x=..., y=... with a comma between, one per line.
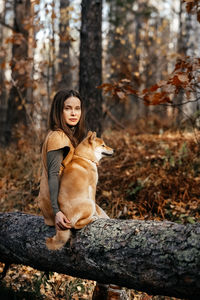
x=67, y=130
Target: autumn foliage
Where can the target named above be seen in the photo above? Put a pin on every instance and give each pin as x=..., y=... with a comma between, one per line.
x=151, y=176
x=155, y=173
x=184, y=77
x=192, y=6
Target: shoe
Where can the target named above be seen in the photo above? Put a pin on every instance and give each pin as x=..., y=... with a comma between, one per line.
x=109, y=292
x=100, y=292
x=115, y=292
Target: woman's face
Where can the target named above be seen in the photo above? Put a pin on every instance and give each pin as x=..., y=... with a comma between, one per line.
x=72, y=111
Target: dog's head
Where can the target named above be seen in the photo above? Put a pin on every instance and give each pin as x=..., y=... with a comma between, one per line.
x=98, y=145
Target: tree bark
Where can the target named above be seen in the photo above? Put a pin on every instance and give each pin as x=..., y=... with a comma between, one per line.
x=160, y=258
x=64, y=47
x=2, y=80
x=90, y=72
x=16, y=112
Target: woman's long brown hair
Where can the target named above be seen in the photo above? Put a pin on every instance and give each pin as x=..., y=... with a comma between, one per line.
x=56, y=119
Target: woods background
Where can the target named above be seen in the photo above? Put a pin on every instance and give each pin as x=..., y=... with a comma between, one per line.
x=136, y=63
x=45, y=45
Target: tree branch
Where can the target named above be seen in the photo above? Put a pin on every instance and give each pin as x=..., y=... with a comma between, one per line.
x=6, y=25
x=154, y=257
x=180, y=104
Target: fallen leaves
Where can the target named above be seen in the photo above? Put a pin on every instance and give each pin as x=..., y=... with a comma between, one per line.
x=151, y=176
x=150, y=173
x=40, y=285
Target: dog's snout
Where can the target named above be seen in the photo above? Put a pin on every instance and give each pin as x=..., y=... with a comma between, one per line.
x=112, y=151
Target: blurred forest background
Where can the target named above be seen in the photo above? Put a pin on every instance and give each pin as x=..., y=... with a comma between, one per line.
x=136, y=63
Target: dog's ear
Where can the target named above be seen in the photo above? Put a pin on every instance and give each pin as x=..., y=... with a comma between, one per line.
x=92, y=136
x=89, y=133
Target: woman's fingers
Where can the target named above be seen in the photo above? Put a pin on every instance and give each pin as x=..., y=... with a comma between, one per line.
x=66, y=220
x=62, y=223
x=60, y=227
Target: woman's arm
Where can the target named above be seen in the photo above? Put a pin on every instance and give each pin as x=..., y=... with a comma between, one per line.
x=54, y=160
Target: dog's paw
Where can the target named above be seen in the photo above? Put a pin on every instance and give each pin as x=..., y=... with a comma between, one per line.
x=52, y=245
x=59, y=240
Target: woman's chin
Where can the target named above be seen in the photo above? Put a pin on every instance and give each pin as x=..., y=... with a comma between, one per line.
x=72, y=124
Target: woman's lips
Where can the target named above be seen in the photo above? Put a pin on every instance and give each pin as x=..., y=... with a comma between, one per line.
x=73, y=120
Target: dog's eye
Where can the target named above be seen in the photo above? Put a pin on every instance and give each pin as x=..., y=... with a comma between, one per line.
x=103, y=145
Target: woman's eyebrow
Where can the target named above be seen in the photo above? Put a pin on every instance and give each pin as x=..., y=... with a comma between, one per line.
x=68, y=105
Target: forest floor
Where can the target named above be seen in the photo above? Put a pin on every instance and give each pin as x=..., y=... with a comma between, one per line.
x=154, y=175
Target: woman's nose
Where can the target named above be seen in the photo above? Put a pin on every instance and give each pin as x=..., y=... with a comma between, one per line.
x=73, y=112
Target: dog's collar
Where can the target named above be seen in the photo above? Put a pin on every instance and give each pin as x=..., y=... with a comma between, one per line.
x=87, y=159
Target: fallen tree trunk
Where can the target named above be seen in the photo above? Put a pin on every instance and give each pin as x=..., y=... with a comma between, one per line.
x=160, y=258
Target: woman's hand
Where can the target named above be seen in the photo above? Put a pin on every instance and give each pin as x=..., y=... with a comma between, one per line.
x=61, y=222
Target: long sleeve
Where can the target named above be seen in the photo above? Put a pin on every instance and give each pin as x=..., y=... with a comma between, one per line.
x=54, y=160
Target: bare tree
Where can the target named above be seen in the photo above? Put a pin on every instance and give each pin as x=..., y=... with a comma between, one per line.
x=90, y=73
x=16, y=112
x=64, y=46
x=2, y=81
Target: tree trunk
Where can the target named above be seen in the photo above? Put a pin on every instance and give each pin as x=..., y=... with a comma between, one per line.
x=90, y=73
x=65, y=80
x=16, y=112
x=154, y=257
x=2, y=80
x=182, y=47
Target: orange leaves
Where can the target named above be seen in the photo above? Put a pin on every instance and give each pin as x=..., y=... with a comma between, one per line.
x=156, y=98
x=53, y=15
x=154, y=88
x=121, y=89
x=184, y=77
x=35, y=2
x=3, y=65
x=121, y=95
x=24, y=282
x=180, y=80
x=16, y=39
x=154, y=176
x=192, y=6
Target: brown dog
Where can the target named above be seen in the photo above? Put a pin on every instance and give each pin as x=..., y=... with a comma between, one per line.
x=78, y=188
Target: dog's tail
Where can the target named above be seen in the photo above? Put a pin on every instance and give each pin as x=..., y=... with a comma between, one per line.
x=59, y=240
